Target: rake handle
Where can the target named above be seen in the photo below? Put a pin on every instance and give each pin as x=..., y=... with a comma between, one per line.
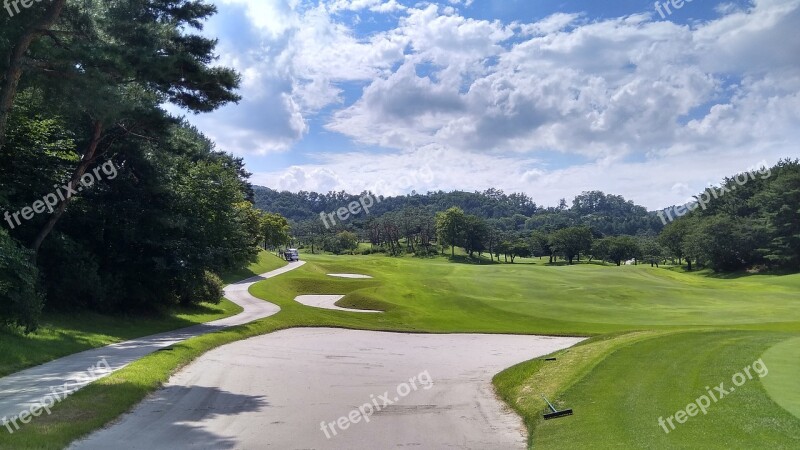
x=549, y=404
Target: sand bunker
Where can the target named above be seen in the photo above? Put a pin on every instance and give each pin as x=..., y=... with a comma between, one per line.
x=327, y=302
x=348, y=275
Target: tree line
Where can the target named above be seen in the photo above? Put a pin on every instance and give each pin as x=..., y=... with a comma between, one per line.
x=753, y=226
x=83, y=85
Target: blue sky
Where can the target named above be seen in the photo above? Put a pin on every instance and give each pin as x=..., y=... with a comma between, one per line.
x=545, y=97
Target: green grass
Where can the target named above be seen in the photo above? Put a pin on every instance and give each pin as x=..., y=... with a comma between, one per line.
x=266, y=262
x=783, y=382
x=630, y=381
x=660, y=337
x=586, y=299
x=65, y=334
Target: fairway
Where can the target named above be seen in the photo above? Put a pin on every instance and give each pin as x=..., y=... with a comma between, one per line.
x=436, y=294
x=783, y=386
x=702, y=331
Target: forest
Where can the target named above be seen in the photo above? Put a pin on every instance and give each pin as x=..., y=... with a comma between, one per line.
x=753, y=226
x=109, y=202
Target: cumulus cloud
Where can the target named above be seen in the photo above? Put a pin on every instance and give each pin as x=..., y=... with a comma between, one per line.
x=440, y=86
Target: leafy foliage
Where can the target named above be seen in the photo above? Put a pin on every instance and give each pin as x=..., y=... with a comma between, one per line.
x=20, y=300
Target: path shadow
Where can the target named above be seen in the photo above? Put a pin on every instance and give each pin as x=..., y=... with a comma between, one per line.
x=175, y=417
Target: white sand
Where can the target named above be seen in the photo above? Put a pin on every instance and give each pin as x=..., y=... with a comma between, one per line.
x=327, y=302
x=348, y=275
x=273, y=392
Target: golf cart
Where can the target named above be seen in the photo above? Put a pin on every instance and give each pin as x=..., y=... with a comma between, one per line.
x=291, y=255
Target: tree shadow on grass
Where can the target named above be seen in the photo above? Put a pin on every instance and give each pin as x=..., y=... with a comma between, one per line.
x=171, y=415
x=475, y=261
x=708, y=273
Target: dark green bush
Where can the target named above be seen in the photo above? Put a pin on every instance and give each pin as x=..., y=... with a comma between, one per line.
x=20, y=300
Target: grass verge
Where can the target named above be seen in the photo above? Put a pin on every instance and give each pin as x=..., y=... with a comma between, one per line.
x=63, y=334
x=620, y=386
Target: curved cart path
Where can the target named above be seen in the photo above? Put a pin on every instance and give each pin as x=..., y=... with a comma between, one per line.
x=23, y=389
x=274, y=391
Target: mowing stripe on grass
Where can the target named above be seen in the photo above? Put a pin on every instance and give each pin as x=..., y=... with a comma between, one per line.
x=783, y=382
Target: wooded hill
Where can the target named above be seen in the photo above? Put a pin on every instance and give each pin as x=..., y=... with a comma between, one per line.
x=607, y=214
x=747, y=222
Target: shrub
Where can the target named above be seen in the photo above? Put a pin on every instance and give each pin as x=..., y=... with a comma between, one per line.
x=207, y=288
x=20, y=300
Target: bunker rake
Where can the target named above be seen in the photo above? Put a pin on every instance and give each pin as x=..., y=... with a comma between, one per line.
x=554, y=413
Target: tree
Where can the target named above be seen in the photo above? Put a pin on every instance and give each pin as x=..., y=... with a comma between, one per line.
x=503, y=248
x=275, y=231
x=601, y=248
x=539, y=244
x=475, y=234
x=674, y=235
x=780, y=203
x=725, y=244
x=344, y=241
x=172, y=214
x=492, y=238
x=652, y=251
x=250, y=222
x=622, y=248
x=20, y=300
x=571, y=242
x=133, y=56
x=694, y=247
x=519, y=248
x=450, y=227
x=15, y=60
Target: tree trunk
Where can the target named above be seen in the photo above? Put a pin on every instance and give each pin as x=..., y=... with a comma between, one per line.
x=689, y=261
x=8, y=91
x=86, y=161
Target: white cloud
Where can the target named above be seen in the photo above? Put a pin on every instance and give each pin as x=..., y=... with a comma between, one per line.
x=442, y=87
x=552, y=24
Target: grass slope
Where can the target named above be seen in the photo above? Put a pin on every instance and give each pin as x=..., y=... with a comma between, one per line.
x=783, y=383
x=635, y=380
x=660, y=337
x=435, y=294
x=65, y=334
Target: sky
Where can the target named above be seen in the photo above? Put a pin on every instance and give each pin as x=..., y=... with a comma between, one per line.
x=651, y=101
